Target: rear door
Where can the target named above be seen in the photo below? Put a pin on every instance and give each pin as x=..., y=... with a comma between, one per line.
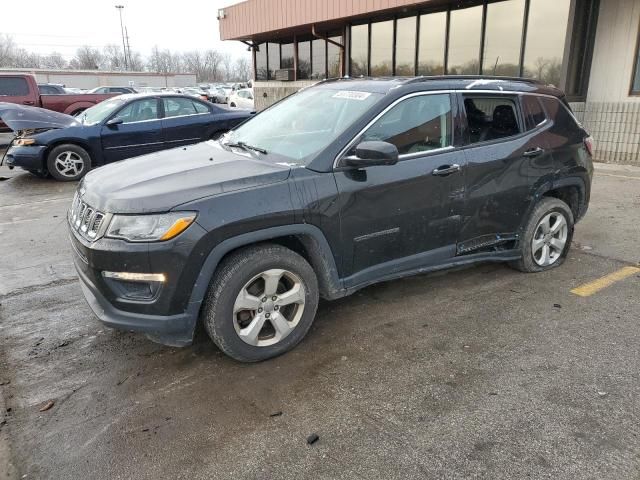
x=16, y=90
x=139, y=133
x=501, y=161
x=185, y=121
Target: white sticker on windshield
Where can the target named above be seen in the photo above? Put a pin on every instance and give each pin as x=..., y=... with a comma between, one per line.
x=352, y=95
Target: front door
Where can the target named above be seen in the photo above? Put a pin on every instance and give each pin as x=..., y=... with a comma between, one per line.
x=139, y=133
x=407, y=215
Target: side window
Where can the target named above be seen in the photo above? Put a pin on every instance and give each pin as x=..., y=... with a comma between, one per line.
x=139, y=111
x=201, y=107
x=119, y=90
x=176, y=107
x=490, y=118
x=13, y=86
x=559, y=113
x=533, y=113
x=102, y=90
x=417, y=124
x=47, y=90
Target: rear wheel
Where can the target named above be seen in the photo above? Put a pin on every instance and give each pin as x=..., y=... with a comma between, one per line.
x=68, y=162
x=261, y=302
x=547, y=236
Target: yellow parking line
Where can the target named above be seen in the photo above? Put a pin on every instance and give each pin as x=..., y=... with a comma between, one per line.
x=601, y=283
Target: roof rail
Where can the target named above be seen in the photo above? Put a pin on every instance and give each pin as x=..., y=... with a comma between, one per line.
x=476, y=77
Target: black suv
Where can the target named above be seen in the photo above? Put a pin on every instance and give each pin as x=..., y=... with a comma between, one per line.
x=344, y=184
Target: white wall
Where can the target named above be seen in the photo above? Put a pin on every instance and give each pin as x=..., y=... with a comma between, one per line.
x=614, y=51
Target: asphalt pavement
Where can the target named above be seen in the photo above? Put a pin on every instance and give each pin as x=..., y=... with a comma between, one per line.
x=482, y=372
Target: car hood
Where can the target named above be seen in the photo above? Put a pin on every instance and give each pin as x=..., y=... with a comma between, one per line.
x=161, y=181
x=22, y=117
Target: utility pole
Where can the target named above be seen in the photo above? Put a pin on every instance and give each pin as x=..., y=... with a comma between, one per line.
x=124, y=46
x=126, y=35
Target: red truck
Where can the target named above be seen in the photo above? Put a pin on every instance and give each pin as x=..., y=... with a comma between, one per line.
x=22, y=89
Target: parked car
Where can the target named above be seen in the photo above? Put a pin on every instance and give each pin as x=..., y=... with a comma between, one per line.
x=219, y=95
x=52, y=89
x=242, y=99
x=196, y=92
x=22, y=89
x=66, y=147
x=378, y=179
x=115, y=90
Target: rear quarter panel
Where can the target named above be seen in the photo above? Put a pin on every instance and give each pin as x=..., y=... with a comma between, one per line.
x=70, y=104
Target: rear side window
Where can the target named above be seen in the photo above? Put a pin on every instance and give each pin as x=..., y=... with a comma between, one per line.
x=201, y=107
x=178, y=107
x=13, y=86
x=533, y=113
x=559, y=113
x=491, y=118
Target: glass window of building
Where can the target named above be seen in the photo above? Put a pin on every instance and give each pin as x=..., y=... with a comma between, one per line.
x=261, y=62
x=333, y=57
x=417, y=124
x=318, y=59
x=273, y=53
x=546, y=33
x=381, y=48
x=286, y=52
x=406, y=46
x=433, y=30
x=304, y=60
x=359, y=49
x=503, y=38
x=465, y=31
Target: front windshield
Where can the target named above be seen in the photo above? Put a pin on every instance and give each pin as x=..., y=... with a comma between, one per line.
x=100, y=111
x=305, y=123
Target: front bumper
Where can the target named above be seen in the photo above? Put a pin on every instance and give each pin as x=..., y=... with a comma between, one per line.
x=29, y=157
x=169, y=316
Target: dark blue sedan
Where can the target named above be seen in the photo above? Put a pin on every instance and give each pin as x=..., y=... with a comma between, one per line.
x=65, y=147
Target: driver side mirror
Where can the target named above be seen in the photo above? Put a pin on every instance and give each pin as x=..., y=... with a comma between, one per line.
x=373, y=153
x=114, y=121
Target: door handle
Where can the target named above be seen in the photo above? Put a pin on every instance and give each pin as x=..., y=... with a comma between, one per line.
x=444, y=170
x=29, y=102
x=534, y=152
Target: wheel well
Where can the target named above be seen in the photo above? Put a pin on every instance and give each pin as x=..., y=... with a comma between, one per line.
x=307, y=247
x=571, y=195
x=64, y=142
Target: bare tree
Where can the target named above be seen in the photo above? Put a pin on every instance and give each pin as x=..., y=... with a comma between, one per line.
x=227, y=66
x=113, y=57
x=213, y=60
x=87, y=58
x=7, y=51
x=54, y=60
x=242, y=69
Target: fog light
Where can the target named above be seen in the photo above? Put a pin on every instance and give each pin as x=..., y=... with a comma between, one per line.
x=135, y=277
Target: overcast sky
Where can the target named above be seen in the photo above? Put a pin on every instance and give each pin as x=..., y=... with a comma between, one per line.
x=45, y=26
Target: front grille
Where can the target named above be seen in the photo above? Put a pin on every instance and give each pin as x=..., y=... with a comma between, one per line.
x=85, y=220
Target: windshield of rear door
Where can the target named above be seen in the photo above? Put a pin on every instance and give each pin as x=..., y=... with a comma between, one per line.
x=304, y=124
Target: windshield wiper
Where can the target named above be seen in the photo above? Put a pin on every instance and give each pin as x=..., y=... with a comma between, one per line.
x=246, y=146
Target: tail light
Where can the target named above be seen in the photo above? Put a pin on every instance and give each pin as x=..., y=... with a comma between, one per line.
x=588, y=143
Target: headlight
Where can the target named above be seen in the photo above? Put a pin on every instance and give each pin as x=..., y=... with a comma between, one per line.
x=150, y=228
x=21, y=142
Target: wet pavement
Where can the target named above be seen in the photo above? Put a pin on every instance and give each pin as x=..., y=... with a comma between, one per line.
x=482, y=372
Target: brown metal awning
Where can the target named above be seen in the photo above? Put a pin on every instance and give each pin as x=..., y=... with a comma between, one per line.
x=260, y=20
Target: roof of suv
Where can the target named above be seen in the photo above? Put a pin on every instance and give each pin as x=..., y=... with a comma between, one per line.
x=447, y=82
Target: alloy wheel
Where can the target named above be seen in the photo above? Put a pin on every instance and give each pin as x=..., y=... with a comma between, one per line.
x=269, y=307
x=69, y=164
x=549, y=239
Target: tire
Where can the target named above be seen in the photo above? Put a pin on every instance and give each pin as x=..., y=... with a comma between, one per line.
x=232, y=105
x=228, y=324
x=551, y=244
x=69, y=158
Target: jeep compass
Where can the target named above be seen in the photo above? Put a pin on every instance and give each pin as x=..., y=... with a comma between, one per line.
x=342, y=185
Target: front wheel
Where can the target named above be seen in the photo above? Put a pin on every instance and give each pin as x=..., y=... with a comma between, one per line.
x=547, y=236
x=261, y=302
x=68, y=162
